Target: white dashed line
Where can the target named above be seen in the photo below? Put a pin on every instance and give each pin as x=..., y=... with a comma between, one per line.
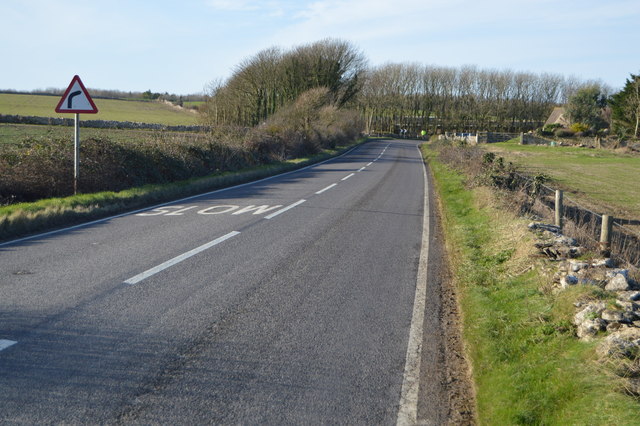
x=178, y=259
x=4, y=344
x=347, y=177
x=272, y=215
x=327, y=188
x=361, y=169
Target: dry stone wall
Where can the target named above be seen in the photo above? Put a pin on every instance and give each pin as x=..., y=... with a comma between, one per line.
x=100, y=124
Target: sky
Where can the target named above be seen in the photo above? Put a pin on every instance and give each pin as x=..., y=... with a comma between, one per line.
x=182, y=46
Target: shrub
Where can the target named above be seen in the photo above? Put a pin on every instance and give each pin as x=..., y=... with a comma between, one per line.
x=549, y=129
x=563, y=133
x=579, y=128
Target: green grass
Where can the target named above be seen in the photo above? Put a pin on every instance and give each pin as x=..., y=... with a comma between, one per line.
x=188, y=104
x=108, y=109
x=528, y=367
x=603, y=180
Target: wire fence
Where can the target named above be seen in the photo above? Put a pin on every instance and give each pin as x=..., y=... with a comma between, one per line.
x=583, y=223
x=530, y=195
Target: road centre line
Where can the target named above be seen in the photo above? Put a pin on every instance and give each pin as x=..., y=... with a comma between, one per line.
x=347, y=177
x=4, y=344
x=146, y=274
x=289, y=207
x=327, y=188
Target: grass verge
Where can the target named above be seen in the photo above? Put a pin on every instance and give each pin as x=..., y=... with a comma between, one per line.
x=528, y=368
x=23, y=219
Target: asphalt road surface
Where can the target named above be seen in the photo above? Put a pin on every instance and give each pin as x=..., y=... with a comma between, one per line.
x=285, y=301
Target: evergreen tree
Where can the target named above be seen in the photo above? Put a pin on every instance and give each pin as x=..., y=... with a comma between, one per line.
x=625, y=108
x=586, y=105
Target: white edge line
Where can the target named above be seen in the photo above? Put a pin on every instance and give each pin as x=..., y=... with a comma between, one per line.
x=4, y=344
x=146, y=274
x=347, y=177
x=327, y=188
x=408, y=410
x=289, y=207
x=82, y=225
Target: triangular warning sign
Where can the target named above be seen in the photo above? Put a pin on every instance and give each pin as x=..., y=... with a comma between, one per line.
x=76, y=99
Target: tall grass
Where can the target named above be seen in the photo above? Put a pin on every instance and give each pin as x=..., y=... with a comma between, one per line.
x=528, y=367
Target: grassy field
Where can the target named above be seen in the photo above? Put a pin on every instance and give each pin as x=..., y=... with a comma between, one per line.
x=108, y=109
x=602, y=180
x=528, y=366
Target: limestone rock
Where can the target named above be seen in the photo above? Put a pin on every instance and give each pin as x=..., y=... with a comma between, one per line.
x=628, y=305
x=615, y=271
x=589, y=328
x=589, y=312
x=534, y=226
x=614, y=326
x=606, y=263
x=633, y=296
x=592, y=276
x=577, y=265
x=624, y=343
x=618, y=283
x=568, y=280
x=563, y=240
x=618, y=316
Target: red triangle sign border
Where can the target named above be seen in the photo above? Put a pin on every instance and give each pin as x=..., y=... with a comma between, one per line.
x=85, y=92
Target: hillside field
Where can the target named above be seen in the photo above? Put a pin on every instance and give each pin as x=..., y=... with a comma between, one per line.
x=108, y=109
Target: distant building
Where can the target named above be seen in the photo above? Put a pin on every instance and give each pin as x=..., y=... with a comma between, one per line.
x=558, y=116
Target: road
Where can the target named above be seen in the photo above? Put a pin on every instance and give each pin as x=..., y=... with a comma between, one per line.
x=288, y=300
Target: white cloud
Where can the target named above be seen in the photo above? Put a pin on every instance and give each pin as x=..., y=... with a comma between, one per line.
x=271, y=8
x=235, y=5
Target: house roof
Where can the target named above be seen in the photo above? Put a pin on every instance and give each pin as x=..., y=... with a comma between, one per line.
x=557, y=117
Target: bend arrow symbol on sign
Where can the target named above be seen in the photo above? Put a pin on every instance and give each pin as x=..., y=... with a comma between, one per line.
x=76, y=99
x=71, y=96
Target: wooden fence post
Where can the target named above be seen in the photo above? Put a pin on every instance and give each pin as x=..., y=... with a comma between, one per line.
x=559, y=208
x=605, y=235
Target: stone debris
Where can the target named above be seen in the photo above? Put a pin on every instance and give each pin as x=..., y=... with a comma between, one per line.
x=616, y=323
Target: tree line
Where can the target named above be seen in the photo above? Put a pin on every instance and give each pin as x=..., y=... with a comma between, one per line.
x=413, y=97
x=437, y=99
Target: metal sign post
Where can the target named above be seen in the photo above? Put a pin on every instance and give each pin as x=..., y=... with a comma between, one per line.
x=76, y=99
x=76, y=156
